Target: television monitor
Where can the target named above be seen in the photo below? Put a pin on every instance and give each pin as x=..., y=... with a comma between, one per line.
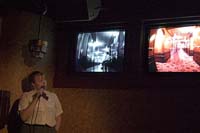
x=95, y=55
x=100, y=51
x=172, y=45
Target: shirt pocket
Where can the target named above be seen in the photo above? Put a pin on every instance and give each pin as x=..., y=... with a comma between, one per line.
x=50, y=104
x=41, y=107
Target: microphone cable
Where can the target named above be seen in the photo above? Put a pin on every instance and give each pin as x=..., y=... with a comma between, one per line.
x=33, y=128
x=36, y=114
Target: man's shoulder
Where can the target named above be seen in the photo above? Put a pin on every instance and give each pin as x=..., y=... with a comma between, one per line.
x=50, y=93
x=27, y=95
x=29, y=92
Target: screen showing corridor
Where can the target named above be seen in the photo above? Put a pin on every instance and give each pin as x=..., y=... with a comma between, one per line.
x=101, y=51
x=174, y=49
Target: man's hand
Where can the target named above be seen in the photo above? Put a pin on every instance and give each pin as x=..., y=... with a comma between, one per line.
x=36, y=96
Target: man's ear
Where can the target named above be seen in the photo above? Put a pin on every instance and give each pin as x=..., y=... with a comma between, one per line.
x=32, y=84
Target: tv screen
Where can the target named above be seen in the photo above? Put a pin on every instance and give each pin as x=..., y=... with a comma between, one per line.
x=100, y=51
x=173, y=46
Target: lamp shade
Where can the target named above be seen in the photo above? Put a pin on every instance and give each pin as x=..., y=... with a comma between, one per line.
x=38, y=48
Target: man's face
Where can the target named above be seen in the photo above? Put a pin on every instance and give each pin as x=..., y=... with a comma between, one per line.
x=39, y=81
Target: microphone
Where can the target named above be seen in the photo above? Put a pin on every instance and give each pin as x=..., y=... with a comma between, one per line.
x=43, y=94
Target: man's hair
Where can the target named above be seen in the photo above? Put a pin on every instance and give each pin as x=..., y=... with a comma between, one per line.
x=32, y=76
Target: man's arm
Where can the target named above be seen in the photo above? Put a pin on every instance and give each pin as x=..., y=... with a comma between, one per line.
x=58, y=122
x=59, y=112
x=27, y=112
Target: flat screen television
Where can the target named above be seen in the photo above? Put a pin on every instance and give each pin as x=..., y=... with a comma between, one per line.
x=172, y=45
x=94, y=55
x=100, y=51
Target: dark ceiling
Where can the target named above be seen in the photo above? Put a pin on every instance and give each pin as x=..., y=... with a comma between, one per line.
x=72, y=10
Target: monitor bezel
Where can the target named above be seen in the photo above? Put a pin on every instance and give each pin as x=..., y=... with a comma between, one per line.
x=100, y=30
x=165, y=79
x=65, y=74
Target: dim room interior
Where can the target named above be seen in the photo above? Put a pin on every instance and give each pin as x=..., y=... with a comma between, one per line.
x=99, y=97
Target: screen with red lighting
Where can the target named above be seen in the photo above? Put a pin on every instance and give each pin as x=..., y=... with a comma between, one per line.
x=174, y=49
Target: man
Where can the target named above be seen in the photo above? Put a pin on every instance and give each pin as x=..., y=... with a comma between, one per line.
x=39, y=109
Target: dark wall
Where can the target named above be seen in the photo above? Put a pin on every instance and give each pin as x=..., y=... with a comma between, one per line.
x=166, y=105
x=129, y=10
